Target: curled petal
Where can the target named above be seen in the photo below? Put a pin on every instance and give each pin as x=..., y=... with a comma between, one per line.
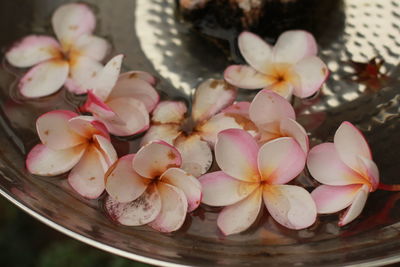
x=326, y=167
x=291, y=206
x=106, y=148
x=44, y=79
x=145, y=76
x=255, y=51
x=292, y=128
x=281, y=160
x=220, y=189
x=241, y=215
x=292, y=46
x=155, y=158
x=105, y=80
x=331, y=199
x=122, y=183
x=236, y=154
x=142, y=210
x=92, y=46
x=187, y=183
x=173, y=209
x=87, y=126
x=44, y=161
x=83, y=71
x=169, y=112
x=356, y=207
x=165, y=132
x=54, y=130
x=245, y=77
x=211, y=97
x=32, y=50
x=312, y=73
x=196, y=154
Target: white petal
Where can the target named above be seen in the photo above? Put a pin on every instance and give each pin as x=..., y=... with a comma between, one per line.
x=245, y=77
x=292, y=128
x=83, y=72
x=107, y=77
x=92, y=46
x=169, y=112
x=165, y=132
x=356, y=207
x=255, y=51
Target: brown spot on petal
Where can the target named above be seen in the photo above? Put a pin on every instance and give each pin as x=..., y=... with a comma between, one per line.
x=171, y=155
x=29, y=79
x=246, y=123
x=228, y=86
x=94, y=74
x=324, y=71
x=73, y=27
x=214, y=84
x=47, y=132
x=133, y=75
x=92, y=178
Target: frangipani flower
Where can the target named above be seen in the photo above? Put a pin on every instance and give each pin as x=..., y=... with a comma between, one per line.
x=192, y=135
x=71, y=142
x=250, y=174
x=346, y=171
x=150, y=188
x=123, y=103
x=290, y=67
x=73, y=60
x=275, y=117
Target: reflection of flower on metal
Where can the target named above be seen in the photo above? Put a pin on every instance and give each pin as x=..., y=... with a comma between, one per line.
x=370, y=74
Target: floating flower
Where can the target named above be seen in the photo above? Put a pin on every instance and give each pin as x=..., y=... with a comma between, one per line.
x=150, y=188
x=73, y=60
x=290, y=67
x=251, y=174
x=192, y=135
x=123, y=105
x=71, y=142
x=346, y=171
x=274, y=117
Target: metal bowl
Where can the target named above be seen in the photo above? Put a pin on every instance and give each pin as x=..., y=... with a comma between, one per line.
x=152, y=39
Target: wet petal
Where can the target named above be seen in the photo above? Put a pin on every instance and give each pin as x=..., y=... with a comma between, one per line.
x=106, y=148
x=255, y=50
x=44, y=161
x=173, y=209
x=220, y=189
x=325, y=166
x=138, y=212
x=241, y=215
x=331, y=199
x=165, y=132
x=236, y=154
x=356, y=207
x=196, y=154
x=105, y=80
x=123, y=183
x=292, y=128
x=87, y=126
x=187, y=183
x=312, y=73
x=83, y=71
x=245, y=77
x=291, y=206
x=32, y=50
x=292, y=46
x=281, y=160
x=155, y=158
x=92, y=46
x=169, y=112
x=44, y=79
x=70, y=21
x=211, y=97
x=140, y=75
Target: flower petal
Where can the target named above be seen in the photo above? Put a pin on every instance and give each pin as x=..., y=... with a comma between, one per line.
x=291, y=206
x=87, y=126
x=245, y=77
x=236, y=154
x=32, y=50
x=350, y=144
x=165, y=132
x=169, y=112
x=196, y=154
x=240, y=108
x=54, y=131
x=105, y=80
x=106, y=148
x=292, y=46
x=45, y=161
x=122, y=183
x=326, y=167
x=356, y=207
x=70, y=21
x=370, y=171
x=220, y=189
x=83, y=72
x=155, y=158
x=312, y=73
x=44, y=79
x=145, y=76
x=255, y=50
x=292, y=128
x=241, y=215
x=331, y=199
x=211, y=97
x=281, y=160
x=284, y=89
x=187, y=183
x=173, y=209
x=138, y=212
x=92, y=46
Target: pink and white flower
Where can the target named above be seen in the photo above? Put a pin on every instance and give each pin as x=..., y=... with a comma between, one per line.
x=193, y=135
x=251, y=174
x=290, y=67
x=122, y=103
x=73, y=60
x=274, y=117
x=71, y=142
x=346, y=171
x=151, y=188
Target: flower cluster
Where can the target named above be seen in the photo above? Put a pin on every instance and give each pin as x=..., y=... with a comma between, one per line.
x=259, y=147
